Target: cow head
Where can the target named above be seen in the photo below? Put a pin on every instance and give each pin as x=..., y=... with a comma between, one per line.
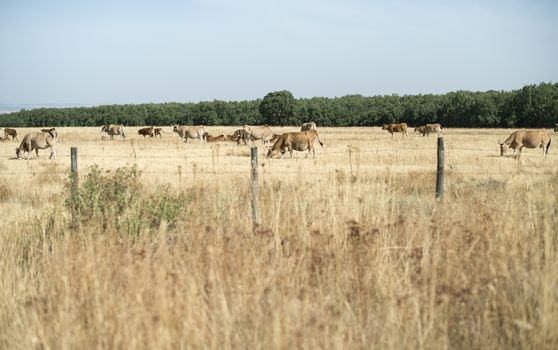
x=503, y=147
x=104, y=128
x=175, y=128
x=384, y=127
x=53, y=132
x=273, y=151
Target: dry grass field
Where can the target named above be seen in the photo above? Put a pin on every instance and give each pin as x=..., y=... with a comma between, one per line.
x=156, y=250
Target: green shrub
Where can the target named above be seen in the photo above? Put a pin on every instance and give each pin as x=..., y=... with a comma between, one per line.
x=116, y=201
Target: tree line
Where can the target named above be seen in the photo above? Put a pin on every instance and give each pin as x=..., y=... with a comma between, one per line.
x=532, y=106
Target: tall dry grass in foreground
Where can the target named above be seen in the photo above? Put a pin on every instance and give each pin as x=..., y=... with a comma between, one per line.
x=341, y=261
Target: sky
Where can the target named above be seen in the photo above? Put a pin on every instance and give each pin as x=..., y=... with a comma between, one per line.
x=96, y=52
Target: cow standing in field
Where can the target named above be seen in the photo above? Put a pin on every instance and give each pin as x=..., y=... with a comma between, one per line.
x=36, y=141
x=425, y=130
x=146, y=132
x=308, y=126
x=295, y=141
x=10, y=132
x=192, y=132
x=526, y=138
x=158, y=132
x=392, y=128
x=260, y=132
x=113, y=129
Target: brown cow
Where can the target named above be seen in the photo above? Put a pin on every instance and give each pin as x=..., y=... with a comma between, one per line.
x=240, y=135
x=10, y=132
x=526, y=138
x=297, y=141
x=209, y=138
x=391, y=128
x=158, y=132
x=425, y=130
x=146, y=132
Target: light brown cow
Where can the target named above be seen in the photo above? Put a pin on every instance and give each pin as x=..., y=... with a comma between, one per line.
x=538, y=138
x=209, y=138
x=189, y=132
x=391, y=128
x=150, y=131
x=113, y=129
x=295, y=141
x=260, y=132
x=158, y=132
x=308, y=126
x=10, y=132
x=36, y=141
x=425, y=130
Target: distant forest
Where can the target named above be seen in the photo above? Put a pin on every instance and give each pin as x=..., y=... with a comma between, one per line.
x=532, y=106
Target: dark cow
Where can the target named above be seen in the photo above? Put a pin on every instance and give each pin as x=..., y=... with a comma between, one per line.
x=146, y=132
x=10, y=132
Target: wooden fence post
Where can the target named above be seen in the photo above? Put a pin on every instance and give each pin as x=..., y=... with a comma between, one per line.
x=255, y=189
x=74, y=182
x=73, y=155
x=440, y=169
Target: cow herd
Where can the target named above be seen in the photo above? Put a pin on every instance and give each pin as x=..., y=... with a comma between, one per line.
x=275, y=143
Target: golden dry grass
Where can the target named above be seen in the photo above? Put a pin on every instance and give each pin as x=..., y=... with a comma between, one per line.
x=353, y=251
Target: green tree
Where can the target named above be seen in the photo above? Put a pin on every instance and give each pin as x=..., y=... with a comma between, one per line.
x=278, y=108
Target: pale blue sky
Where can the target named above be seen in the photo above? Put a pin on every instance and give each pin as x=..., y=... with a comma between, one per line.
x=101, y=52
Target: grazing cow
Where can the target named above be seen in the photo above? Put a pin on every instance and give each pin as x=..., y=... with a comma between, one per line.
x=158, y=132
x=230, y=138
x=297, y=141
x=241, y=135
x=425, y=130
x=10, y=132
x=113, y=129
x=192, y=132
x=146, y=132
x=36, y=141
x=526, y=138
x=260, y=132
x=391, y=128
x=308, y=126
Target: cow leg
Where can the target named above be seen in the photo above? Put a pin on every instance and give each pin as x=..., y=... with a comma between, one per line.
x=52, y=153
x=37, y=152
